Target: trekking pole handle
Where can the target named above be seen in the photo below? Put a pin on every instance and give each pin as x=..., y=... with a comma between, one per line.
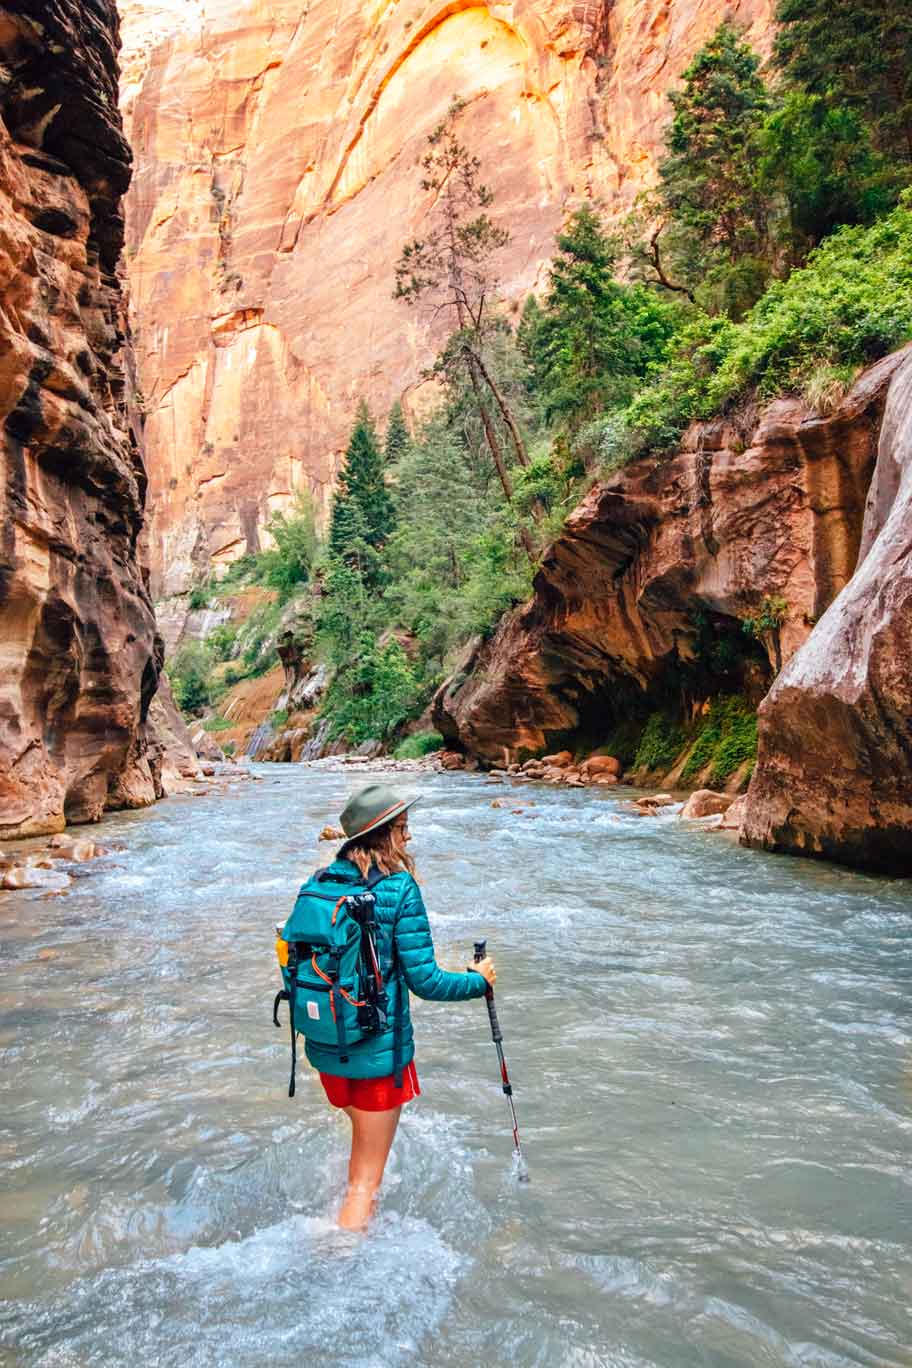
x=480, y=952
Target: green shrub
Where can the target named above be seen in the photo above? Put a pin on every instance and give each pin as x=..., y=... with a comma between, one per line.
x=422, y=743
x=217, y=724
x=189, y=676
x=850, y=304
x=661, y=743
x=222, y=641
x=726, y=737
x=279, y=717
x=199, y=597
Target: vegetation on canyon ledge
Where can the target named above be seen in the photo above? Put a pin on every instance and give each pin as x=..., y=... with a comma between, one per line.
x=774, y=256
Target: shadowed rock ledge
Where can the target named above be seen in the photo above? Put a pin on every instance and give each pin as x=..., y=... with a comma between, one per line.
x=77, y=633
x=668, y=556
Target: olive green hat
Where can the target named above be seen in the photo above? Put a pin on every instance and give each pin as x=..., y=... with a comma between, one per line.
x=372, y=807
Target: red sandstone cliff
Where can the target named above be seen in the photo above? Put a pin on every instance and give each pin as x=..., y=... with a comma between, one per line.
x=834, y=771
x=276, y=177
x=79, y=665
x=663, y=552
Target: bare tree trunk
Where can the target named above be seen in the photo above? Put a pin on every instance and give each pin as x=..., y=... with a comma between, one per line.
x=506, y=483
x=522, y=456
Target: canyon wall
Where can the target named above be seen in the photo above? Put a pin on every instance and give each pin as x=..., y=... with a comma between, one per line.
x=658, y=568
x=834, y=769
x=277, y=148
x=78, y=659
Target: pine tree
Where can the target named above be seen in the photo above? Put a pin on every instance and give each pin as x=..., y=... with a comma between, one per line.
x=397, y=437
x=592, y=338
x=857, y=53
x=717, y=212
x=363, y=507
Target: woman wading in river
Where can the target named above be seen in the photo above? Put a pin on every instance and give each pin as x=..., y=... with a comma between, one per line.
x=365, y=1085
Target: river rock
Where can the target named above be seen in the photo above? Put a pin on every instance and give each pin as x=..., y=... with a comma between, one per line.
x=29, y=876
x=600, y=764
x=654, y=802
x=452, y=760
x=560, y=760
x=705, y=803
x=605, y=780
x=834, y=766
x=77, y=850
x=733, y=819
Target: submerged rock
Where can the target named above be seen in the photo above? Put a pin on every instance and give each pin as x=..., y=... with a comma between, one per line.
x=706, y=803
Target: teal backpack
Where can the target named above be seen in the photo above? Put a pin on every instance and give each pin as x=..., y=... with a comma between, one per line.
x=331, y=971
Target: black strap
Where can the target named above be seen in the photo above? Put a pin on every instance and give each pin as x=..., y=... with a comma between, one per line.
x=279, y=997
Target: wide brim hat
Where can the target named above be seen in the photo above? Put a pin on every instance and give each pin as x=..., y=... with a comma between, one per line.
x=372, y=807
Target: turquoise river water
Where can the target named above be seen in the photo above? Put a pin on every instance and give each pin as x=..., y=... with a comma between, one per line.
x=712, y=1052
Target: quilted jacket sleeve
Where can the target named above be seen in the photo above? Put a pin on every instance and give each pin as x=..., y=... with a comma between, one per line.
x=415, y=951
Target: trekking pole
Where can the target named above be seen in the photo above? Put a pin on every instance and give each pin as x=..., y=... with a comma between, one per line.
x=522, y=1173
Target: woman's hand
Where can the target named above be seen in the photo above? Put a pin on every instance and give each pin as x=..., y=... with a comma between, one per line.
x=486, y=968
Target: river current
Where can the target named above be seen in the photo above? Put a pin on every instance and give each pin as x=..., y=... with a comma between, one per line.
x=712, y=1055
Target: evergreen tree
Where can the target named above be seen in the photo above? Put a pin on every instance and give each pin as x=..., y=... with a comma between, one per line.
x=362, y=515
x=592, y=338
x=856, y=53
x=452, y=268
x=397, y=437
x=717, y=236
x=818, y=161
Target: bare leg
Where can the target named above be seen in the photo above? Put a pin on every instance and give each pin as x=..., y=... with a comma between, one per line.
x=372, y=1137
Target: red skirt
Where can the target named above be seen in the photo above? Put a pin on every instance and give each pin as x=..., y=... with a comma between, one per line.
x=371, y=1094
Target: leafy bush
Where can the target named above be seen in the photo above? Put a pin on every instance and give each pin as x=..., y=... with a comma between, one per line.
x=217, y=724
x=422, y=743
x=726, y=738
x=199, y=597
x=662, y=741
x=373, y=693
x=288, y=563
x=279, y=717
x=851, y=304
x=189, y=676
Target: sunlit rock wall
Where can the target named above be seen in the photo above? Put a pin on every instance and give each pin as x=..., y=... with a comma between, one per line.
x=78, y=664
x=277, y=148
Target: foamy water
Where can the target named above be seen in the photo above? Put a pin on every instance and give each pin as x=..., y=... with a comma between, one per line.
x=711, y=1050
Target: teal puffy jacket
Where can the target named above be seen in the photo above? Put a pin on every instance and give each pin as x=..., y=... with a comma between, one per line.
x=403, y=926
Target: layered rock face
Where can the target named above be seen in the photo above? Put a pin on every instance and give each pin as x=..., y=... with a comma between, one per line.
x=659, y=567
x=277, y=149
x=78, y=664
x=834, y=770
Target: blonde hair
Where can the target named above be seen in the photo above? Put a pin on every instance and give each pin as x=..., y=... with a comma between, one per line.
x=384, y=847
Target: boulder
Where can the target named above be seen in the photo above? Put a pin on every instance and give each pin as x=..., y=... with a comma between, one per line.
x=29, y=876
x=600, y=764
x=706, y=803
x=605, y=780
x=653, y=802
x=77, y=850
x=561, y=760
x=733, y=819
x=452, y=760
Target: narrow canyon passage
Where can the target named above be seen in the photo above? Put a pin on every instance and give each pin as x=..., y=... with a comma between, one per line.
x=713, y=1068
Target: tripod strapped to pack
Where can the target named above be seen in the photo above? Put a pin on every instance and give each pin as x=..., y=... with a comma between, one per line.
x=330, y=965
